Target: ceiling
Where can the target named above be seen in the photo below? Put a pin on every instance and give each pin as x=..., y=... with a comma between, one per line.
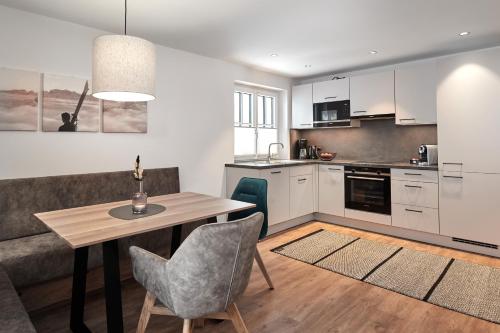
x=329, y=35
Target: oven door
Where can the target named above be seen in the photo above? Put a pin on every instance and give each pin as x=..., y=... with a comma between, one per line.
x=371, y=193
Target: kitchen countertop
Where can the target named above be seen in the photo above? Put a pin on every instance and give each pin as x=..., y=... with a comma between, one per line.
x=289, y=163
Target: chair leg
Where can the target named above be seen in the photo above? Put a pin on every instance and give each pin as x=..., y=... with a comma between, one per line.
x=263, y=269
x=188, y=326
x=149, y=302
x=235, y=317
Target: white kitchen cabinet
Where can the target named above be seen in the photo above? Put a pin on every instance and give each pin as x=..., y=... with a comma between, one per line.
x=278, y=194
x=414, y=193
x=468, y=114
x=415, y=218
x=301, y=196
x=468, y=206
x=331, y=195
x=302, y=106
x=415, y=93
x=372, y=94
x=331, y=91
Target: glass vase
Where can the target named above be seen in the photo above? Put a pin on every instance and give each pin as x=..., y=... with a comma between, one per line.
x=139, y=201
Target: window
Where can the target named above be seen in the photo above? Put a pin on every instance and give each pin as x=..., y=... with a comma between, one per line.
x=255, y=122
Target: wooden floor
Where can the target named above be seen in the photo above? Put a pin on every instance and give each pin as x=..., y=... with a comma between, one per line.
x=306, y=299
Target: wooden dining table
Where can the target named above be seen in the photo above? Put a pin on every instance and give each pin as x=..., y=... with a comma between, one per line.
x=84, y=226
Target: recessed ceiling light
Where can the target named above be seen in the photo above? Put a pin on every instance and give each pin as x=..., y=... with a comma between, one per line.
x=307, y=66
x=373, y=52
x=464, y=33
x=274, y=55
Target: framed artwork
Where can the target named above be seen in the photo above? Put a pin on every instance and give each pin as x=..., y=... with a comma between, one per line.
x=19, y=100
x=124, y=117
x=68, y=105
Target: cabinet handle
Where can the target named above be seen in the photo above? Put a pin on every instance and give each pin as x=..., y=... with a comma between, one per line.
x=359, y=111
x=412, y=174
x=452, y=163
x=275, y=172
x=331, y=97
x=456, y=177
x=414, y=210
x=302, y=179
x=413, y=186
x=334, y=169
x=406, y=119
x=305, y=124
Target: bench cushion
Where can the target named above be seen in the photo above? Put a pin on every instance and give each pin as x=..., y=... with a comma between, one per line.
x=13, y=317
x=34, y=259
x=38, y=258
x=21, y=198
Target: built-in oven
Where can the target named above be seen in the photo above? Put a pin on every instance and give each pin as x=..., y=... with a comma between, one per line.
x=332, y=114
x=368, y=189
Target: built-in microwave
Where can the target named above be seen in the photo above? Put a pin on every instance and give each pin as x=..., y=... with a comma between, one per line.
x=331, y=114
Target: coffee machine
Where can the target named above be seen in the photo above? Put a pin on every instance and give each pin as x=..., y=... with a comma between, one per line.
x=301, y=149
x=428, y=155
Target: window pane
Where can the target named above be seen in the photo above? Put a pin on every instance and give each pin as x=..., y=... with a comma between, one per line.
x=236, y=108
x=247, y=109
x=267, y=136
x=269, y=112
x=260, y=110
x=244, y=141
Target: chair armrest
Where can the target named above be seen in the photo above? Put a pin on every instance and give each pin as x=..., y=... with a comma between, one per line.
x=149, y=269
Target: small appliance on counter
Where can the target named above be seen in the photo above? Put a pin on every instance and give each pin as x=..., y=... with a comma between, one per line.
x=313, y=152
x=428, y=155
x=301, y=149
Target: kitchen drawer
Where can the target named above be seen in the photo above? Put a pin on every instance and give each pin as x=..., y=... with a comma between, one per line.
x=415, y=193
x=331, y=168
x=428, y=176
x=301, y=170
x=415, y=218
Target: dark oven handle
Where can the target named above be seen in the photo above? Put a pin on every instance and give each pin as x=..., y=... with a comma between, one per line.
x=366, y=178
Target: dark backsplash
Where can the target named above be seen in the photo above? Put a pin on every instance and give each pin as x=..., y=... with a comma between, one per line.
x=375, y=140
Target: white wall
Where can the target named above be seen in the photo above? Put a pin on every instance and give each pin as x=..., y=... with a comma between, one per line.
x=189, y=123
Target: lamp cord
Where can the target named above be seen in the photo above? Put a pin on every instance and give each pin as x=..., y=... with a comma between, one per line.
x=125, y=17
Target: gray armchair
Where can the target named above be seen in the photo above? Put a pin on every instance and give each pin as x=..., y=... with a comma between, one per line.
x=204, y=277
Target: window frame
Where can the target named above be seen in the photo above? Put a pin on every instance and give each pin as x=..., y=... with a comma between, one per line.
x=255, y=92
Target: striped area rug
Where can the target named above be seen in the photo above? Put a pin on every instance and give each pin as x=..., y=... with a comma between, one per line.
x=457, y=285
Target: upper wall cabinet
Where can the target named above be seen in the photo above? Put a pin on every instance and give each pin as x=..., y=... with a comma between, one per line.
x=468, y=102
x=372, y=94
x=302, y=106
x=331, y=91
x=415, y=90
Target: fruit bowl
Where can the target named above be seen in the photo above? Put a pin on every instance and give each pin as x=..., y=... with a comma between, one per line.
x=325, y=156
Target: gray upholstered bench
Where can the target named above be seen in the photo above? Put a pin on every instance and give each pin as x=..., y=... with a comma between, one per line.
x=13, y=317
x=31, y=254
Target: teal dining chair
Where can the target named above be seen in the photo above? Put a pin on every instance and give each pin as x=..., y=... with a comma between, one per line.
x=253, y=190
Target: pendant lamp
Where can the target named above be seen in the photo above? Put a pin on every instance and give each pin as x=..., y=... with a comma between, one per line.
x=123, y=68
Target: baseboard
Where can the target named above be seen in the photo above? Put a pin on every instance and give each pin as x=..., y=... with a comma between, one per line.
x=275, y=228
x=406, y=234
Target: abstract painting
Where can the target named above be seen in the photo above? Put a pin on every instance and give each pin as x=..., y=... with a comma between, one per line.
x=18, y=100
x=68, y=105
x=124, y=117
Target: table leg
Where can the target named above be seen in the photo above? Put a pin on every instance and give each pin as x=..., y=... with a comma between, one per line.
x=76, y=323
x=112, y=286
x=176, y=239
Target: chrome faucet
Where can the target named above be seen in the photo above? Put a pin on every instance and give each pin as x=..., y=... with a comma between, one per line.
x=269, y=150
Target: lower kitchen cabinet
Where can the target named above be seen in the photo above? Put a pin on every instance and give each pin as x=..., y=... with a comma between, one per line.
x=301, y=196
x=415, y=218
x=331, y=195
x=278, y=194
x=469, y=207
